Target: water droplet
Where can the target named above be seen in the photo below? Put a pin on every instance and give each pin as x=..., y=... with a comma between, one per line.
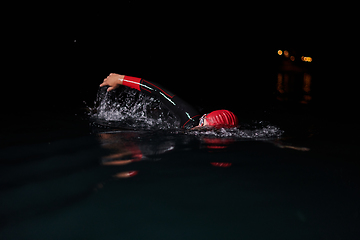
x=129, y=108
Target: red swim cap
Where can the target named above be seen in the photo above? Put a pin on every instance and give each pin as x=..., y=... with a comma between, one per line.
x=222, y=118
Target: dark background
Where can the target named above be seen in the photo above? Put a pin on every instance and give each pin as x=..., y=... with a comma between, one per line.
x=215, y=55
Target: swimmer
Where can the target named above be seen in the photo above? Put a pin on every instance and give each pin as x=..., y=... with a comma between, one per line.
x=189, y=117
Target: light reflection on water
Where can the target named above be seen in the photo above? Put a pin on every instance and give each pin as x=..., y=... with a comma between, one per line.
x=294, y=87
x=116, y=180
x=294, y=81
x=127, y=146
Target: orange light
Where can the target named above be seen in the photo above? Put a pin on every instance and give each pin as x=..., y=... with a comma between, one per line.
x=280, y=52
x=292, y=58
x=306, y=59
x=286, y=53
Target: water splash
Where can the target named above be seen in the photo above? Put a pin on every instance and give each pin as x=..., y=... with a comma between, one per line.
x=131, y=109
x=128, y=108
x=245, y=131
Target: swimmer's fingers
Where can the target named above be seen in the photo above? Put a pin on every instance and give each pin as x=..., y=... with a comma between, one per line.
x=110, y=88
x=104, y=83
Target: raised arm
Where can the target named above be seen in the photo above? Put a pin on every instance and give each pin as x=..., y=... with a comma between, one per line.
x=189, y=117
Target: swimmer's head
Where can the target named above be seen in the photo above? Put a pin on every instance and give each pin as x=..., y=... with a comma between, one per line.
x=219, y=119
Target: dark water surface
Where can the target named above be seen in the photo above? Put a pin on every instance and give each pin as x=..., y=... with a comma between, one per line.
x=72, y=181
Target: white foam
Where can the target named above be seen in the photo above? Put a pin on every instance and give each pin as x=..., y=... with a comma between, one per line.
x=261, y=132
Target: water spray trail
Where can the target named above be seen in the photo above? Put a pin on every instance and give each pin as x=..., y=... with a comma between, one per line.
x=131, y=109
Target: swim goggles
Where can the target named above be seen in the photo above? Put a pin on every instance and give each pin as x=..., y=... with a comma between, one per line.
x=202, y=120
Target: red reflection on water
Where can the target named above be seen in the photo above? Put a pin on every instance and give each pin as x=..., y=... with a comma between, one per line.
x=217, y=143
x=126, y=174
x=126, y=151
x=221, y=164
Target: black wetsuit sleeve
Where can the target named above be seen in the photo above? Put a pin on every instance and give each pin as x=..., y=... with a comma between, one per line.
x=189, y=116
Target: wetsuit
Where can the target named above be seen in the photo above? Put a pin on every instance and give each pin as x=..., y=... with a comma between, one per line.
x=189, y=117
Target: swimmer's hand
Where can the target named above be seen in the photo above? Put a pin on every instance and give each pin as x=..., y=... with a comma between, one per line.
x=113, y=81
